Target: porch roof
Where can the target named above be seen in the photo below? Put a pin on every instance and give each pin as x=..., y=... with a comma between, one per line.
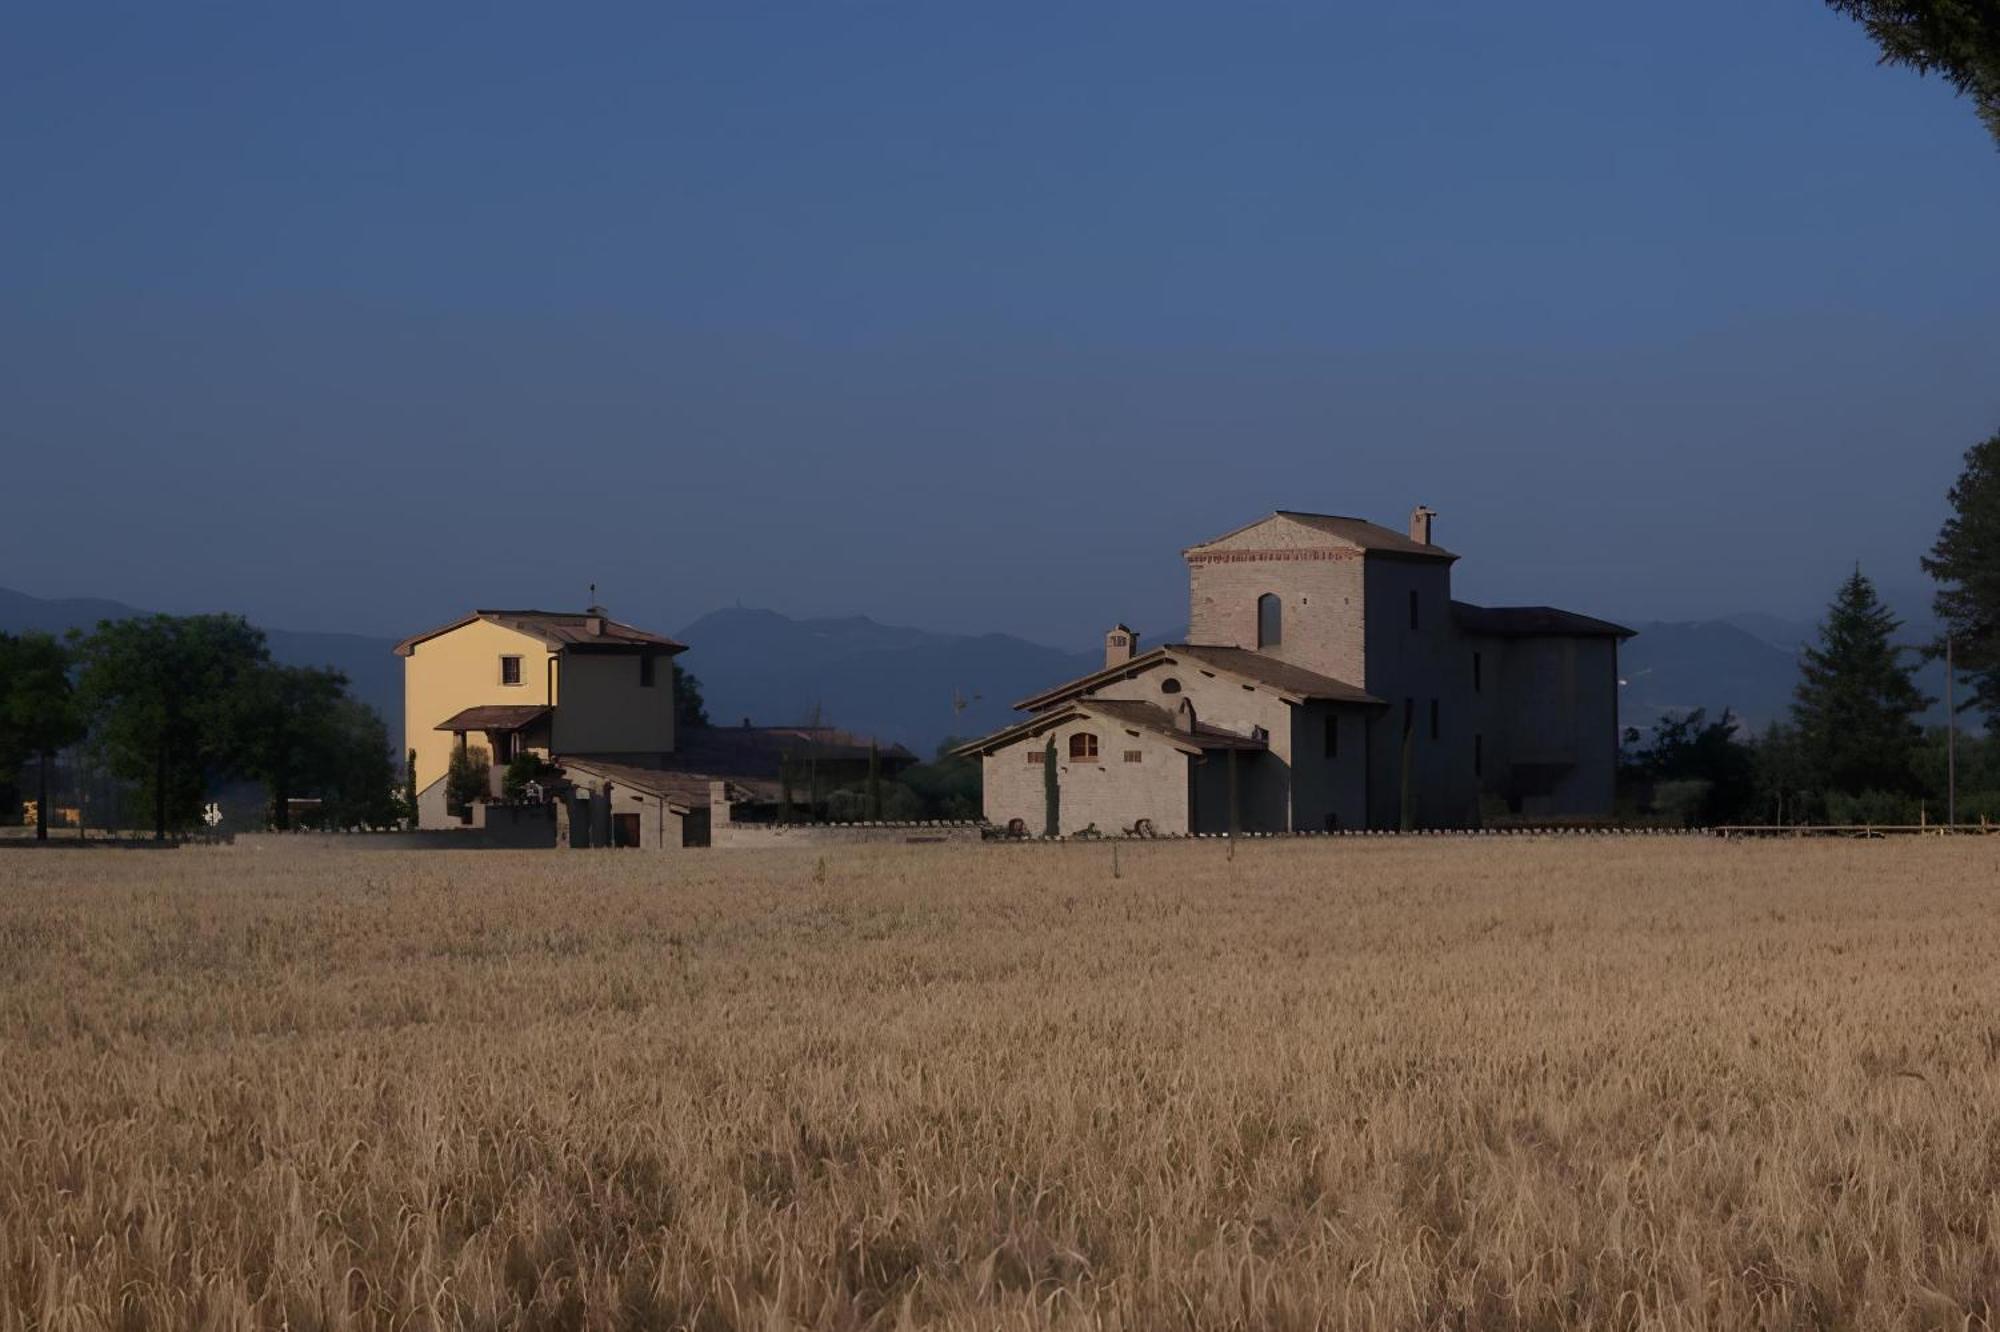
x=495, y=717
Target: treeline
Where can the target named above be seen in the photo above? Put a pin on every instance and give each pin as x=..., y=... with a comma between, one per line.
x=1852, y=749
x=174, y=706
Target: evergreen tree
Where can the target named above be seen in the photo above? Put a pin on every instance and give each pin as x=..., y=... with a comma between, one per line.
x=1051, y=792
x=1958, y=39
x=1855, y=708
x=1966, y=563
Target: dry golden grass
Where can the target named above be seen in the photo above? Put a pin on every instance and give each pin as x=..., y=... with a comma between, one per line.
x=1368, y=1084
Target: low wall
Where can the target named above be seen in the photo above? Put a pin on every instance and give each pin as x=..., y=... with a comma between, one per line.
x=743, y=835
x=507, y=828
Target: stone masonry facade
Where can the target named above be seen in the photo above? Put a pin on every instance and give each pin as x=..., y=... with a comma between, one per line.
x=1330, y=682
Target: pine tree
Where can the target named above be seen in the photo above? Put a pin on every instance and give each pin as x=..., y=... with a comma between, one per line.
x=1966, y=563
x=1856, y=706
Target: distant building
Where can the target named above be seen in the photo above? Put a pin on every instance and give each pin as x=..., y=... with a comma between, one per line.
x=1330, y=682
x=547, y=682
x=594, y=698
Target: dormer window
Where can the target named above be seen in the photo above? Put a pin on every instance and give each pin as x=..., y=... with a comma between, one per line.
x=510, y=670
x=1270, y=620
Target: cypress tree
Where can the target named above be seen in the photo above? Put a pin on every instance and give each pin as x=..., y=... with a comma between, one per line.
x=1966, y=564
x=1855, y=707
x=1051, y=792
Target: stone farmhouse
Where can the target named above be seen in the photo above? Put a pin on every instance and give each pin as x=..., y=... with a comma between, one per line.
x=1330, y=683
x=593, y=698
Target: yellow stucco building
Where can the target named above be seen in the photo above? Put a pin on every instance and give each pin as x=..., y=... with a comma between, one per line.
x=556, y=683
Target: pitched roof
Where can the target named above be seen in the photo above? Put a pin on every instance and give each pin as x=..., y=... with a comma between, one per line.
x=1118, y=712
x=1285, y=678
x=558, y=629
x=1292, y=681
x=749, y=758
x=1532, y=622
x=1372, y=537
x=682, y=791
x=494, y=717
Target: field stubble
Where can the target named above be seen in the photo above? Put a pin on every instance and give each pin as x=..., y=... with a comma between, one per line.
x=1383, y=1084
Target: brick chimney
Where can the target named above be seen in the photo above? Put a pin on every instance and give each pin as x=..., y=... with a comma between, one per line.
x=593, y=621
x=1420, y=525
x=1120, y=646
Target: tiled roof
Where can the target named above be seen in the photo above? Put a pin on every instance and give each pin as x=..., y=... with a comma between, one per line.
x=749, y=758
x=1152, y=717
x=1254, y=667
x=1118, y=712
x=1532, y=622
x=558, y=629
x=1354, y=531
x=494, y=717
x=1259, y=668
x=682, y=790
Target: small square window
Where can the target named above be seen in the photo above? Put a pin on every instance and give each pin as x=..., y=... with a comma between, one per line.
x=1036, y=756
x=510, y=670
x=1134, y=756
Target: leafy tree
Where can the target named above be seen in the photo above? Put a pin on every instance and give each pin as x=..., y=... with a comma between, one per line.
x=1785, y=792
x=689, y=709
x=285, y=732
x=1966, y=563
x=161, y=689
x=39, y=714
x=356, y=781
x=1698, y=767
x=468, y=779
x=1855, y=707
x=948, y=786
x=524, y=767
x=1958, y=39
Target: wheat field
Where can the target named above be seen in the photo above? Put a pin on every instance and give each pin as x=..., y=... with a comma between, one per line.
x=1429, y=1083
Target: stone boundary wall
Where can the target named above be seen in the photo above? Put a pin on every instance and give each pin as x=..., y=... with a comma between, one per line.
x=739, y=836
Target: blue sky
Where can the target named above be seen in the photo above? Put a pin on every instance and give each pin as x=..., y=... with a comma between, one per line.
x=973, y=316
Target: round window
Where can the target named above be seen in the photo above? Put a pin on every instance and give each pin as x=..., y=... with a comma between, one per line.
x=1170, y=685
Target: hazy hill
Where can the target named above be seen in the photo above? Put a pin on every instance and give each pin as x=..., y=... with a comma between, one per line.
x=374, y=673
x=899, y=683
x=893, y=682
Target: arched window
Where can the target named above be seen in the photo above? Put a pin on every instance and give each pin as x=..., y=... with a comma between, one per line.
x=1170, y=685
x=1270, y=620
x=1083, y=745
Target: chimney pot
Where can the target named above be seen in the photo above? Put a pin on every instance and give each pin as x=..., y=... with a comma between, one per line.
x=1120, y=646
x=1420, y=524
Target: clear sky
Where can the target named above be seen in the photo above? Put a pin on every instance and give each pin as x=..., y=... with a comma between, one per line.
x=972, y=316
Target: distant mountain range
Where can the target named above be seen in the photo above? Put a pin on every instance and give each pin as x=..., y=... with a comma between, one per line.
x=1747, y=663
x=906, y=685
x=915, y=688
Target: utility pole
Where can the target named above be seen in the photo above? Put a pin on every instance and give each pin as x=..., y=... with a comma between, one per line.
x=1950, y=742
